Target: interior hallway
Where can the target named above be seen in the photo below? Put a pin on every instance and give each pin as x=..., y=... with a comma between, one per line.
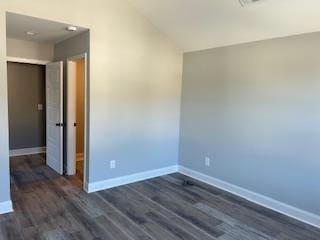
x=49, y=206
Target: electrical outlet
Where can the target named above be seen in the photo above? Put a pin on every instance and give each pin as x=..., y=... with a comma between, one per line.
x=113, y=164
x=207, y=161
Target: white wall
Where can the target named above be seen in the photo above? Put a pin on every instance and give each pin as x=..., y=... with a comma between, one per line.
x=135, y=86
x=30, y=50
x=4, y=143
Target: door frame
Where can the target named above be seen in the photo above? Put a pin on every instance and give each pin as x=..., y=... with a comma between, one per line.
x=86, y=116
x=27, y=61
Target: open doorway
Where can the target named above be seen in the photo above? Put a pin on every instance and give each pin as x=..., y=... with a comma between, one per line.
x=26, y=104
x=76, y=107
x=38, y=56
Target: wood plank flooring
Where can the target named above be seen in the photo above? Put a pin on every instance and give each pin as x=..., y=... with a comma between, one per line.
x=49, y=206
x=79, y=169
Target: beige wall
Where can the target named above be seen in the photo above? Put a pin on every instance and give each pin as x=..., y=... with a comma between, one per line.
x=30, y=50
x=80, y=106
x=135, y=86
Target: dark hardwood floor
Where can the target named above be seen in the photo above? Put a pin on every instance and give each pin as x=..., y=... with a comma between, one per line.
x=49, y=206
x=79, y=169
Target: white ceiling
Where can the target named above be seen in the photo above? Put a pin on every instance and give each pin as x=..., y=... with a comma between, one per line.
x=47, y=31
x=203, y=24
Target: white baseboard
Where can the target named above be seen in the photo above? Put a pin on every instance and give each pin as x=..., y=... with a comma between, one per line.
x=259, y=199
x=85, y=187
x=27, y=151
x=115, y=182
x=6, y=207
x=80, y=156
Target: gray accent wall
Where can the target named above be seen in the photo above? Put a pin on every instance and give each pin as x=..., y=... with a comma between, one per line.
x=26, y=89
x=254, y=109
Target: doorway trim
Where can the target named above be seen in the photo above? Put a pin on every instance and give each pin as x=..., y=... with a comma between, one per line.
x=27, y=60
x=86, y=115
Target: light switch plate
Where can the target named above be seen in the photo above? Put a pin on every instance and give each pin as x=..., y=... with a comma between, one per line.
x=40, y=107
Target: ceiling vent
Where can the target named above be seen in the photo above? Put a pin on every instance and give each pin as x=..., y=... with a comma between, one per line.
x=247, y=2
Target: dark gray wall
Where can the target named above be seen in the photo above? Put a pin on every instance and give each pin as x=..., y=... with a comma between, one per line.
x=255, y=110
x=26, y=89
x=72, y=47
x=69, y=48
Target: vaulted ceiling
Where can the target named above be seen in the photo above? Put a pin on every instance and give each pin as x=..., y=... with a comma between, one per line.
x=203, y=24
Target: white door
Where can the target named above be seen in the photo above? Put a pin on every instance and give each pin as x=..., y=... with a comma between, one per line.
x=54, y=108
x=71, y=117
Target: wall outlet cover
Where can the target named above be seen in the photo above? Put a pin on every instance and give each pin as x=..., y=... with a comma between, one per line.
x=113, y=164
x=207, y=161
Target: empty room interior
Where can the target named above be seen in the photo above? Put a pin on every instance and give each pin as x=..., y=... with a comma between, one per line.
x=160, y=119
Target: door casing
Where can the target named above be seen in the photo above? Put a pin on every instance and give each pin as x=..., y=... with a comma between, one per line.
x=86, y=96
x=71, y=137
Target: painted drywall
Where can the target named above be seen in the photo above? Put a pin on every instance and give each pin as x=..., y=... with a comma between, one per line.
x=80, y=105
x=254, y=110
x=26, y=89
x=135, y=86
x=30, y=50
x=4, y=136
